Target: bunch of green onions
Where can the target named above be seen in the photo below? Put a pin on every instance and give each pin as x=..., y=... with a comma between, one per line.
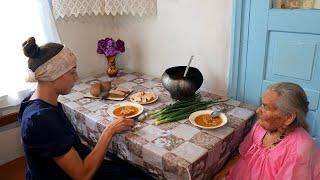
x=181, y=109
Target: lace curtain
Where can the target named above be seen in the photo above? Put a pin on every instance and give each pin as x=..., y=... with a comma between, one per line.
x=67, y=8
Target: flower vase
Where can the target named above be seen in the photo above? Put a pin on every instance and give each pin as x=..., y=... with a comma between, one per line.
x=111, y=69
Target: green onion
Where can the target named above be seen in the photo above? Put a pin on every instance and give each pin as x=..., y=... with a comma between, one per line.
x=181, y=109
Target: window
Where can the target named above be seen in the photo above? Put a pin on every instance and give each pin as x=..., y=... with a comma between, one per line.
x=20, y=20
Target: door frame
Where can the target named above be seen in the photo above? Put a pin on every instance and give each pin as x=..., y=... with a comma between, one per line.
x=239, y=47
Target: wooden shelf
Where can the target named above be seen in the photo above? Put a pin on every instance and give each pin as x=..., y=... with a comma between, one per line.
x=8, y=119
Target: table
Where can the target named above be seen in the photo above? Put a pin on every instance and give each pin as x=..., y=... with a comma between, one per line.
x=176, y=150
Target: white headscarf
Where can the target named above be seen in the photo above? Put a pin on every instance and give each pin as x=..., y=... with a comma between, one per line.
x=55, y=67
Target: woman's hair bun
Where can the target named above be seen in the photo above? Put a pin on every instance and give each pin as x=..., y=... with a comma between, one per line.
x=30, y=48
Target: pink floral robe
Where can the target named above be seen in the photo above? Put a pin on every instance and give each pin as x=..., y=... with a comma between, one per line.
x=296, y=157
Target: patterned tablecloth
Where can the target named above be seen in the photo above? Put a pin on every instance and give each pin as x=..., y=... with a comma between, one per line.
x=176, y=150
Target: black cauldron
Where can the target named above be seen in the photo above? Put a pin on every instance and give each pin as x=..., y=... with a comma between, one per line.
x=181, y=87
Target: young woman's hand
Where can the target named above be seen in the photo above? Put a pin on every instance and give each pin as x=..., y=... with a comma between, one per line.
x=86, y=168
x=119, y=125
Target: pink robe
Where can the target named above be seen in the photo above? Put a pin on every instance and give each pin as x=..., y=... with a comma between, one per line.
x=296, y=157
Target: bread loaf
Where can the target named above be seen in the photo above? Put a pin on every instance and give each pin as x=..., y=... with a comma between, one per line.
x=116, y=94
x=125, y=90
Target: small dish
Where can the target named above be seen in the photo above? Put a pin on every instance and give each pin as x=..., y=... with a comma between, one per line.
x=127, y=109
x=141, y=97
x=194, y=115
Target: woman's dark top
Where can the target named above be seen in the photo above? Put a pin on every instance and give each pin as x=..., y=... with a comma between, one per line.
x=46, y=133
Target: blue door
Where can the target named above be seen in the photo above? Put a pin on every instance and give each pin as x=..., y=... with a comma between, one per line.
x=282, y=45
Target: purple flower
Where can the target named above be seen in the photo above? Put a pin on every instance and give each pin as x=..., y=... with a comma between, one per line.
x=110, y=42
x=111, y=52
x=109, y=47
x=101, y=46
x=120, y=45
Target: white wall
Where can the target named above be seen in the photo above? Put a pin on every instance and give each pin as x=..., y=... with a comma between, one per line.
x=81, y=35
x=180, y=29
x=11, y=147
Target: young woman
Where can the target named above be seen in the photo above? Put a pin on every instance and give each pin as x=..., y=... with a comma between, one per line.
x=53, y=149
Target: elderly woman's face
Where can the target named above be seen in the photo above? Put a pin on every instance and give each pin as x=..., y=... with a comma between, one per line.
x=269, y=116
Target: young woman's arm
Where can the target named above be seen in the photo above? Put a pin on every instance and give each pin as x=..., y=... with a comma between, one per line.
x=77, y=168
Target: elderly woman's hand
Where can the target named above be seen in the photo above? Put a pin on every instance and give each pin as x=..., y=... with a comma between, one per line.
x=119, y=125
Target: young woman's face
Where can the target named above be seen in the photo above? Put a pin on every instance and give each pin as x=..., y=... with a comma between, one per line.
x=64, y=84
x=269, y=116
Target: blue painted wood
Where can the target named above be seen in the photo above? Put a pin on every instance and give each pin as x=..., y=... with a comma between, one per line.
x=298, y=20
x=240, y=33
x=314, y=125
x=278, y=45
x=235, y=48
x=256, y=58
x=294, y=57
x=244, y=47
x=295, y=54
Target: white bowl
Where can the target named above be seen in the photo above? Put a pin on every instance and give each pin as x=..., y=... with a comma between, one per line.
x=114, y=106
x=197, y=113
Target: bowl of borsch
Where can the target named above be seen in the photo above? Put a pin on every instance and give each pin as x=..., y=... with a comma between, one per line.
x=203, y=119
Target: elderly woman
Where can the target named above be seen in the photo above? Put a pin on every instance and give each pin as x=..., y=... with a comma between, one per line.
x=53, y=149
x=279, y=146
